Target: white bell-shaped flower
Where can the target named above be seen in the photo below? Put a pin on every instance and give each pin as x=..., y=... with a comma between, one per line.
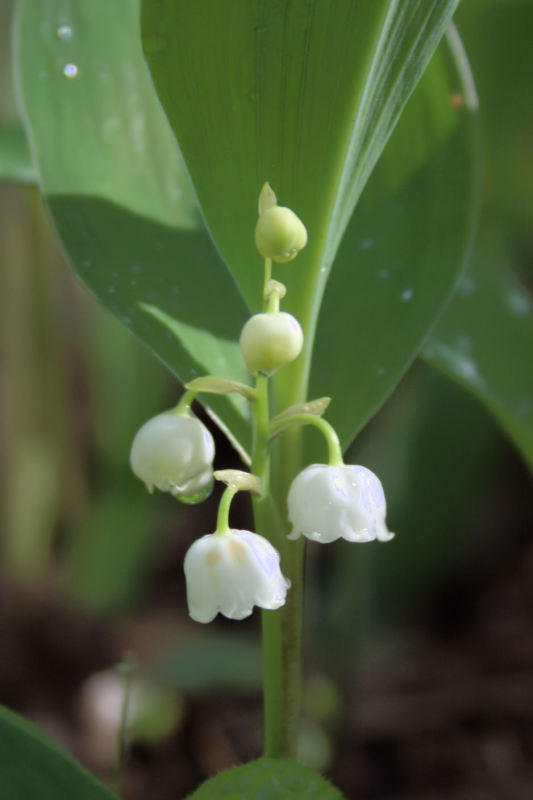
x=175, y=454
x=332, y=502
x=230, y=573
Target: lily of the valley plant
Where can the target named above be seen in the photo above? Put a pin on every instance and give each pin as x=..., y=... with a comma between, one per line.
x=231, y=571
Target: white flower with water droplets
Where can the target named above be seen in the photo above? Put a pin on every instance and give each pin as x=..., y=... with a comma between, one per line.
x=175, y=454
x=230, y=573
x=332, y=502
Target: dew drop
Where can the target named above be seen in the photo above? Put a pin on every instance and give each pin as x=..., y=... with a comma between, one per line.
x=87, y=262
x=64, y=32
x=383, y=273
x=467, y=286
x=43, y=75
x=518, y=304
x=112, y=289
x=133, y=282
x=136, y=268
x=380, y=371
x=407, y=295
x=154, y=44
x=195, y=498
x=70, y=70
x=524, y=409
x=366, y=244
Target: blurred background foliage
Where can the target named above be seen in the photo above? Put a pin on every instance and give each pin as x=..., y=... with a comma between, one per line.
x=441, y=692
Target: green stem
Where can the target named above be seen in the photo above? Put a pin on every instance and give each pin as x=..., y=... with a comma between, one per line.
x=268, y=276
x=223, y=509
x=185, y=402
x=127, y=669
x=271, y=620
x=334, y=446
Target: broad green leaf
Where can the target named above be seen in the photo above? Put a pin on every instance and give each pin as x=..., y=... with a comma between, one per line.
x=304, y=95
x=15, y=158
x=267, y=779
x=117, y=189
x=485, y=342
x=404, y=247
x=33, y=767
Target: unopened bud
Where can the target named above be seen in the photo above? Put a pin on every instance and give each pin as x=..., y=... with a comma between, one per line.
x=280, y=234
x=269, y=341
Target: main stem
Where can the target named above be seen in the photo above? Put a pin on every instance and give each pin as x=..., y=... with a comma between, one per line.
x=271, y=620
x=282, y=628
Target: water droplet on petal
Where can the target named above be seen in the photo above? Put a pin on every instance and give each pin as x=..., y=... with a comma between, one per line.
x=70, y=70
x=407, y=295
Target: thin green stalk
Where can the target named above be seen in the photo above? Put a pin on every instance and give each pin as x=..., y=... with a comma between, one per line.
x=334, y=446
x=268, y=276
x=223, y=508
x=185, y=402
x=127, y=669
x=273, y=700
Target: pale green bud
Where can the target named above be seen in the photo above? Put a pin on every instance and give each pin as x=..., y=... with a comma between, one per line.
x=269, y=341
x=280, y=234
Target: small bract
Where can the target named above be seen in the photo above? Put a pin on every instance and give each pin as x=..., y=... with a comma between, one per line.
x=175, y=454
x=327, y=503
x=230, y=573
x=269, y=341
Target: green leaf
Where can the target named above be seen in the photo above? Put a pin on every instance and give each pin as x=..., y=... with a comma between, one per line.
x=118, y=192
x=33, y=767
x=485, y=341
x=15, y=157
x=304, y=95
x=267, y=779
x=404, y=247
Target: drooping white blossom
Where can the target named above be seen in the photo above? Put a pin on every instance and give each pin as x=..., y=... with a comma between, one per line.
x=174, y=453
x=230, y=573
x=332, y=502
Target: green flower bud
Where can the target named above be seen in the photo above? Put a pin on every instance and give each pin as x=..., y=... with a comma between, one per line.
x=280, y=234
x=269, y=341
